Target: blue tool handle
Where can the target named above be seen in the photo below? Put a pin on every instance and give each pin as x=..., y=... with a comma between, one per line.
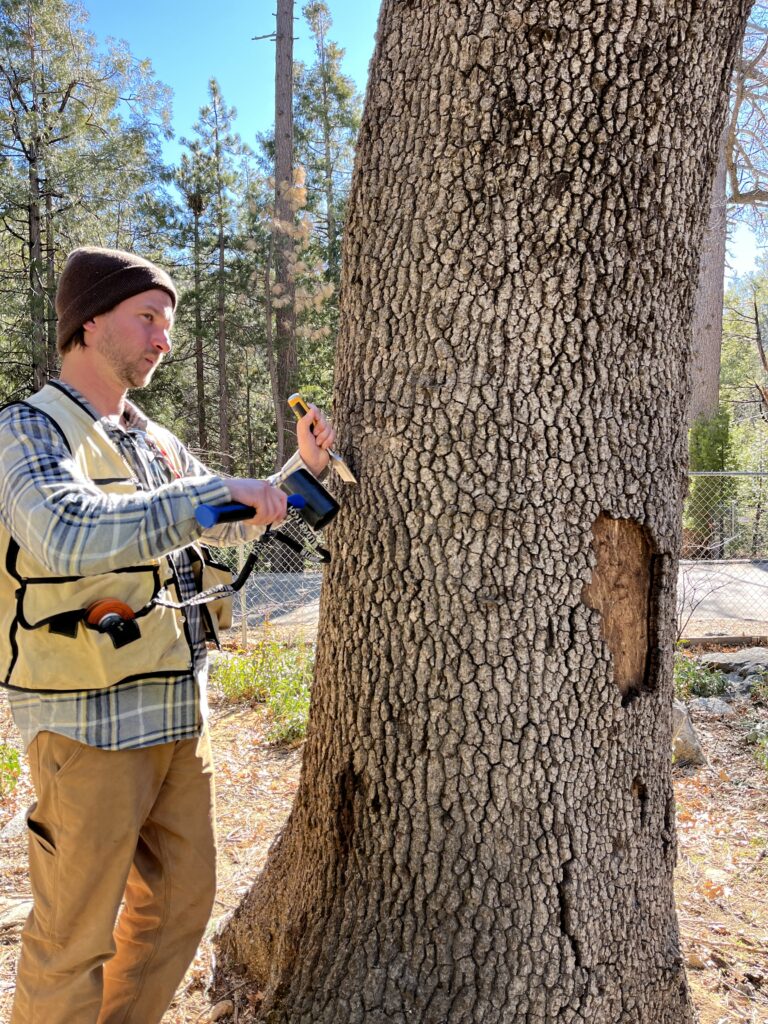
x=210, y=515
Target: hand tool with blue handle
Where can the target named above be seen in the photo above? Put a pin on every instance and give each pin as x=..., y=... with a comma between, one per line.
x=211, y=515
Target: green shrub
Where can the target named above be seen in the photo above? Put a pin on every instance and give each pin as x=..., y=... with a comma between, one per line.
x=237, y=679
x=692, y=679
x=10, y=769
x=276, y=674
x=288, y=704
x=757, y=737
x=759, y=692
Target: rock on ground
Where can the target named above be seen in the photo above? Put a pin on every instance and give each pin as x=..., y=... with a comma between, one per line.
x=751, y=661
x=712, y=706
x=686, y=748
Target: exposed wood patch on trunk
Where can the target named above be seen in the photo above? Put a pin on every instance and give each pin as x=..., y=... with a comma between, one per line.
x=622, y=591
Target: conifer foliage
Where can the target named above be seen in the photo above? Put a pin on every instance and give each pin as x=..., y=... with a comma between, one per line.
x=82, y=127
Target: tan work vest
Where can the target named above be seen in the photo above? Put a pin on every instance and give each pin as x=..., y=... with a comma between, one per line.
x=45, y=643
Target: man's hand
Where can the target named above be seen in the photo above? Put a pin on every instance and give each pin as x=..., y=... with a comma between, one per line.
x=315, y=436
x=270, y=502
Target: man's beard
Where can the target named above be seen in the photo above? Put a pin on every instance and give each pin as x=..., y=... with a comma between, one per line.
x=131, y=372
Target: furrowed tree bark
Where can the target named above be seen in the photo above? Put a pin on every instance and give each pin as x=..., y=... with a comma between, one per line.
x=484, y=828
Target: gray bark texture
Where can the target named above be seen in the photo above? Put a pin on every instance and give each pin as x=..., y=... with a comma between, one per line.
x=707, y=331
x=484, y=828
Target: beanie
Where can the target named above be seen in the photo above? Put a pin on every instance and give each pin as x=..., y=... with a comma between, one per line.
x=95, y=280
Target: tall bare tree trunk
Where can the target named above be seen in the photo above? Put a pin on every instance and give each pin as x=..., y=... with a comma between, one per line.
x=50, y=284
x=250, y=447
x=32, y=153
x=330, y=198
x=707, y=329
x=285, y=311
x=202, y=422
x=274, y=382
x=224, y=383
x=484, y=828
x=36, y=275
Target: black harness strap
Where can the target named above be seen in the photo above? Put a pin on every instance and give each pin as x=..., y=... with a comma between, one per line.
x=314, y=551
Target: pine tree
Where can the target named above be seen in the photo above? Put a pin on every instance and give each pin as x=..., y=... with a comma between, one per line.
x=78, y=134
x=197, y=183
x=327, y=119
x=221, y=147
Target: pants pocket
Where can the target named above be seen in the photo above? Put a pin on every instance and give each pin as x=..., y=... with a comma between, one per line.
x=63, y=753
x=51, y=757
x=42, y=876
x=39, y=833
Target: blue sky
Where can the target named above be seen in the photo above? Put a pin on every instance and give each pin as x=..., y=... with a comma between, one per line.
x=191, y=41
x=742, y=252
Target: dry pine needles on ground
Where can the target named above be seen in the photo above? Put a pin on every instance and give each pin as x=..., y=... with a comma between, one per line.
x=722, y=876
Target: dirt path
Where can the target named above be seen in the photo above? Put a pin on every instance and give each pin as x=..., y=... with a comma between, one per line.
x=722, y=877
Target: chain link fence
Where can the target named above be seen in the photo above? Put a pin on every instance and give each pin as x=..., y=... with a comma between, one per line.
x=723, y=581
x=282, y=594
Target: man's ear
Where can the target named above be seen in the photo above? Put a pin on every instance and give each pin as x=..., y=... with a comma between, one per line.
x=88, y=326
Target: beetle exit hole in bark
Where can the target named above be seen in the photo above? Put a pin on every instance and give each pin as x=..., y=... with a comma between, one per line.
x=623, y=591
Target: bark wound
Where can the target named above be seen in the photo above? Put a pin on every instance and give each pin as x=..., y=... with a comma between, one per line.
x=640, y=794
x=349, y=785
x=566, y=923
x=622, y=591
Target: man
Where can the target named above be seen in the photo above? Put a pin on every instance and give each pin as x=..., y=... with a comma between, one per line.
x=97, y=509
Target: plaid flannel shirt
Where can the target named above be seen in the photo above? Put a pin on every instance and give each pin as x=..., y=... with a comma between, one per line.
x=53, y=511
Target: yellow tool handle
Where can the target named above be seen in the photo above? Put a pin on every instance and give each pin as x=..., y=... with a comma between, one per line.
x=299, y=406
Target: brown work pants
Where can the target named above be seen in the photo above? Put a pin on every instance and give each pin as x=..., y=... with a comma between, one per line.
x=112, y=825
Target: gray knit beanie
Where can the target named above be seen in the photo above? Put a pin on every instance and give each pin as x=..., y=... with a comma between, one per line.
x=94, y=281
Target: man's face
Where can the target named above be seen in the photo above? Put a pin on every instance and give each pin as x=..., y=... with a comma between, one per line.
x=130, y=340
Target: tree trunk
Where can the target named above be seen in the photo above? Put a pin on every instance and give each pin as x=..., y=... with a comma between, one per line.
x=52, y=355
x=707, y=330
x=330, y=199
x=285, y=309
x=202, y=425
x=484, y=828
x=250, y=447
x=36, y=272
x=32, y=152
x=226, y=455
x=280, y=455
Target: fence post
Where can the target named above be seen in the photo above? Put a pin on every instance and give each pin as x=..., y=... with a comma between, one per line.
x=243, y=599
